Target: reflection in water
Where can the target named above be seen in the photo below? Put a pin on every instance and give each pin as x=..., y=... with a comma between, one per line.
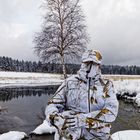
x=7, y=94
x=127, y=119
x=25, y=106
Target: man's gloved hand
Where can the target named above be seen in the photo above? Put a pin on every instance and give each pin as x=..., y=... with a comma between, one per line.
x=80, y=120
x=57, y=120
x=68, y=119
x=71, y=121
x=52, y=117
x=62, y=120
x=76, y=120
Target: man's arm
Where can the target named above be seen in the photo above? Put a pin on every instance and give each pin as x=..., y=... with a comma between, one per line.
x=57, y=103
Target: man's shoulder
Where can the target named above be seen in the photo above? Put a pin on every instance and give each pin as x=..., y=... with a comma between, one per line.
x=108, y=88
x=72, y=78
x=106, y=82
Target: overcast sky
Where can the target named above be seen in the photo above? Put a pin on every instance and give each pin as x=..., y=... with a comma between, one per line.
x=113, y=25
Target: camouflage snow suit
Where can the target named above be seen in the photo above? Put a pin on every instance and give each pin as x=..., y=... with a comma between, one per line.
x=95, y=104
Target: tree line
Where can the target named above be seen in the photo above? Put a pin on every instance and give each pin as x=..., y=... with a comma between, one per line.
x=9, y=64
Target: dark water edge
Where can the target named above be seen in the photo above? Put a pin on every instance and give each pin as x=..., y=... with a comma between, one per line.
x=128, y=117
x=25, y=110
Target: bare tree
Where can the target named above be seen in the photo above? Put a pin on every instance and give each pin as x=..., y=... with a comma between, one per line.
x=63, y=37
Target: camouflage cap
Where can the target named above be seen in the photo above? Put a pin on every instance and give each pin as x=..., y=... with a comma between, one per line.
x=92, y=55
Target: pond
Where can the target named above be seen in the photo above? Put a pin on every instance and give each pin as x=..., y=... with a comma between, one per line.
x=24, y=110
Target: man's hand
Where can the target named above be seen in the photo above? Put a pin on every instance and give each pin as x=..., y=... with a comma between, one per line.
x=64, y=120
x=71, y=121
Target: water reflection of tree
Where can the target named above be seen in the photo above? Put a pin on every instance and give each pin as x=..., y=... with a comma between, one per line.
x=7, y=94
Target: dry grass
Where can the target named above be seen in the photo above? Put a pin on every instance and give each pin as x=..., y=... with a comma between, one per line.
x=122, y=77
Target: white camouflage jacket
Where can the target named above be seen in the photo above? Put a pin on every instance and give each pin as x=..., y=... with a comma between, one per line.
x=96, y=106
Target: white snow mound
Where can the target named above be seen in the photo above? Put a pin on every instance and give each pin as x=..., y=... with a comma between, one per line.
x=44, y=128
x=126, y=135
x=13, y=135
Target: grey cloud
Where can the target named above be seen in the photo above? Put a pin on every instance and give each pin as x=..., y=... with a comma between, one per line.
x=19, y=48
x=19, y=21
x=115, y=30
x=112, y=24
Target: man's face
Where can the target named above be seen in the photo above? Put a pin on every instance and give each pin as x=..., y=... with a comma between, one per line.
x=92, y=68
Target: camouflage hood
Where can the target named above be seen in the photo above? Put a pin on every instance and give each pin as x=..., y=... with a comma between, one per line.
x=89, y=72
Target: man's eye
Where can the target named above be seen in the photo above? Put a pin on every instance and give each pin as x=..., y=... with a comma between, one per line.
x=89, y=63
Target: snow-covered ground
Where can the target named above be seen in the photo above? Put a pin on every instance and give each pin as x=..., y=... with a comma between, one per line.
x=13, y=135
x=127, y=87
x=28, y=79
x=128, y=90
x=126, y=135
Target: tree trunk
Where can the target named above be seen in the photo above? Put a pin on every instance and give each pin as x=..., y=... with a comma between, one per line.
x=63, y=66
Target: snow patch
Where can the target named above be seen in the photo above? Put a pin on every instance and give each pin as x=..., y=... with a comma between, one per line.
x=13, y=135
x=44, y=128
x=126, y=135
x=8, y=79
x=128, y=89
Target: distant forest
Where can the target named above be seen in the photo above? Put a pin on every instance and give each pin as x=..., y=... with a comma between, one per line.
x=9, y=64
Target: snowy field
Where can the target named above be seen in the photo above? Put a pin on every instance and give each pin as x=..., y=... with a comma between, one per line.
x=129, y=90
x=28, y=79
x=126, y=86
